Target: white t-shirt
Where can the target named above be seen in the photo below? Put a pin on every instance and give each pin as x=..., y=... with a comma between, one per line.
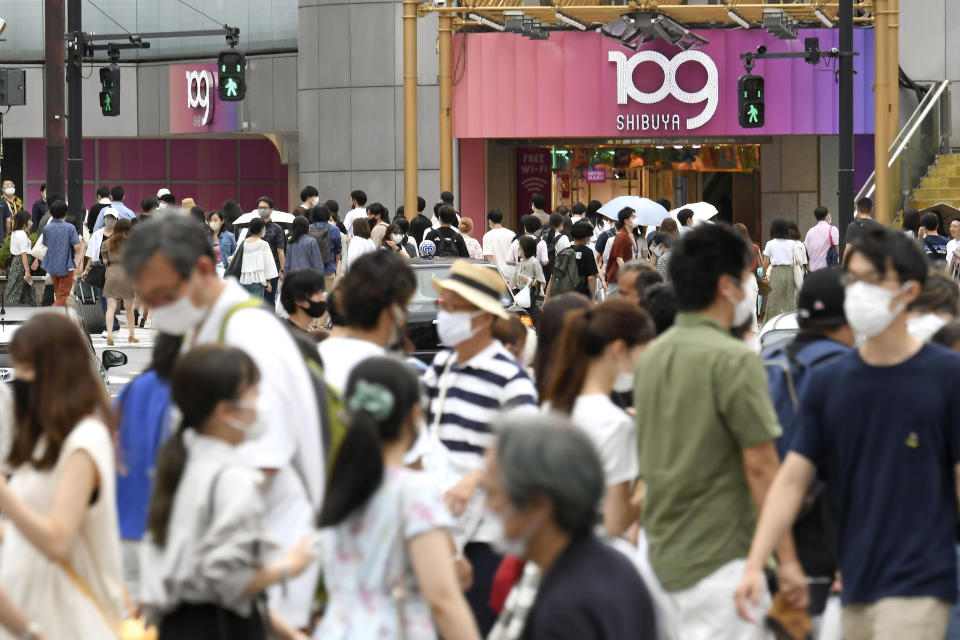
x=292, y=436
x=496, y=243
x=952, y=247
x=341, y=355
x=358, y=247
x=614, y=434
x=352, y=215
x=19, y=242
x=562, y=243
x=780, y=251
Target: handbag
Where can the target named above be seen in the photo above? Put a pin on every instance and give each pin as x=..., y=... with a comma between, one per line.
x=236, y=263
x=522, y=296
x=763, y=285
x=97, y=275
x=798, y=273
x=133, y=628
x=39, y=250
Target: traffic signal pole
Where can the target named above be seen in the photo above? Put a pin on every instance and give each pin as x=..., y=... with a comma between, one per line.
x=75, y=51
x=845, y=174
x=54, y=127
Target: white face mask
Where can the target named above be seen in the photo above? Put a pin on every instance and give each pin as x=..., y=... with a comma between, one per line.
x=657, y=250
x=9, y=191
x=315, y=201
x=923, y=327
x=178, y=317
x=250, y=430
x=867, y=307
x=215, y=225
x=743, y=309
x=397, y=237
x=501, y=543
x=456, y=327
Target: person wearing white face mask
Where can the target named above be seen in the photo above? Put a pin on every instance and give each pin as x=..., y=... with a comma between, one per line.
x=208, y=553
x=10, y=205
x=309, y=198
x=372, y=299
x=598, y=351
x=709, y=472
x=936, y=306
x=174, y=270
x=544, y=482
x=624, y=247
x=897, y=554
x=468, y=384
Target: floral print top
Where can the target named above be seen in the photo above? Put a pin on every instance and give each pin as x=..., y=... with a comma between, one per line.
x=364, y=561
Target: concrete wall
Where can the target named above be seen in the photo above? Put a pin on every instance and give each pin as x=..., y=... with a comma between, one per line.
x=350, y=94
x=798, y=174
x=930, y=51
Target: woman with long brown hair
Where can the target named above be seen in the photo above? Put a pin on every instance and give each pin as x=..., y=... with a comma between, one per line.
x=117, y=285
x=19, y=289
x=597, y=346
x=60, y=559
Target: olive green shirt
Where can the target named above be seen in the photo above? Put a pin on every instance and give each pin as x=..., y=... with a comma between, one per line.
x=701, y=398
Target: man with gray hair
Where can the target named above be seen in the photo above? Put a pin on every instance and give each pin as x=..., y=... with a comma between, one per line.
x=174, y=271
x=635, y=278
x=544, y=484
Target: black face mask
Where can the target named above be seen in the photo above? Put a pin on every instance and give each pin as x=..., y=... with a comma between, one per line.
x=21, y=394
x=316, y=309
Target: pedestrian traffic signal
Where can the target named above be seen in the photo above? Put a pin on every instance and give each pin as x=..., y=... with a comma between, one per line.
x=110, y=89
x=750, y=101
x=231, y=75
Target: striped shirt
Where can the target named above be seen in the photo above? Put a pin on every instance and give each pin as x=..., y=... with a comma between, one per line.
x=477, y=390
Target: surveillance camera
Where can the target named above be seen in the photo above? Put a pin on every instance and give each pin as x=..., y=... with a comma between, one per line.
x=761, y=50
x=834, y=50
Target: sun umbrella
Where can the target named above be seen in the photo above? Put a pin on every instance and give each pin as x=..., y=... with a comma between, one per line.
x=702, y=211
x=280, y=217
x=649, y=213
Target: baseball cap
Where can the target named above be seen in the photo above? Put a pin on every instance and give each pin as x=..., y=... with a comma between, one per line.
x=820, y=303
x=163, y=192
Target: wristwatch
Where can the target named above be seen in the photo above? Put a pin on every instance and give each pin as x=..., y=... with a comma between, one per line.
x=32, y=632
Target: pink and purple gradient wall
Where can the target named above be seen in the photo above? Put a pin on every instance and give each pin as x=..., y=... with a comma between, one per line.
x=207, y=170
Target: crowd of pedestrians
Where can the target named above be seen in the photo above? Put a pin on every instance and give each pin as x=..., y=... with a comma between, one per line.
x=639, y=467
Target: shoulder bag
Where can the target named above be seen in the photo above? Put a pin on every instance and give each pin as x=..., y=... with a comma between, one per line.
x=133, y=628
x=39, y=250
x=763, y=282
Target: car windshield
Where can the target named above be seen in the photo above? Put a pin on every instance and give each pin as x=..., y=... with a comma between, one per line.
x=425, y=297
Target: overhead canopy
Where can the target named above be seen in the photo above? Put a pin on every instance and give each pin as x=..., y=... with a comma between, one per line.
x=597, y=12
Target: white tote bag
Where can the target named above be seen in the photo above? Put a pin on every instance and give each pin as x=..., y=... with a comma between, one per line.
x=523, y=297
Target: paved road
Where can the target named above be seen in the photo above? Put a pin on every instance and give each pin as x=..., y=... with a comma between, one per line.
x=138, y=355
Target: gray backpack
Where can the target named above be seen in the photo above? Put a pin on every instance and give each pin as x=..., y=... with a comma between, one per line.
x=322, y=236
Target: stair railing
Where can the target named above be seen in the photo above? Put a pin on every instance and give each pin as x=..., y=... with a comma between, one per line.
x=925, y=134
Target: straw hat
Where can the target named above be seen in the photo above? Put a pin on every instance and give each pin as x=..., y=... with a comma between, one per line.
x=481, y=286
x=188, y=203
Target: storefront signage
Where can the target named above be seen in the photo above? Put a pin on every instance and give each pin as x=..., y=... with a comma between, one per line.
x=194, y=105
x=584, y=85
x=667, y=121
x=596, y=175
x=534, y=175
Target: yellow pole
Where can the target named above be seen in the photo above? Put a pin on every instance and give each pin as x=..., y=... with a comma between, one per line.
x=445, y=81
x=881, y=140
x=410, y=107
x=893, y=68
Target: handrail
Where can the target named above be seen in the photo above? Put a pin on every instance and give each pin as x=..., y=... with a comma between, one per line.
x=906, y=133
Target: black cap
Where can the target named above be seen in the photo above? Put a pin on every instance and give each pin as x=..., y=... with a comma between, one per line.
x=820, y=304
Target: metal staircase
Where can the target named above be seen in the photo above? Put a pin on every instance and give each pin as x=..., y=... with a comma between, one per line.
x=940, y=184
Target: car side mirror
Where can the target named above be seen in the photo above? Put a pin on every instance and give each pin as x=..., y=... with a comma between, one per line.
x=112, y=358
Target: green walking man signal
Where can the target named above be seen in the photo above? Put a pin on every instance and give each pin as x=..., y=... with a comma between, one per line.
x=110, y=89
x=750, y=101
x=231, y=75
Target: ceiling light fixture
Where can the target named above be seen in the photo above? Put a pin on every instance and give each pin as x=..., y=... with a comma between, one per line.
x=738, y=19
x=824, y=19
x=779, y=24
x=567, y=20
x=485, y=21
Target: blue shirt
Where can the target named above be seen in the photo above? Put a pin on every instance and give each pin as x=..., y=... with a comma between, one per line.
x=336, y=245
x=228, y=246
x=122, y=210
x=303, y=254
x=144, y=409
x=60, y=237
x=888, y=439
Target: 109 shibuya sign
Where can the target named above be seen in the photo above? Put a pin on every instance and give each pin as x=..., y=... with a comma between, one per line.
x=194, y=105
x=581, y=84
x=666, y=121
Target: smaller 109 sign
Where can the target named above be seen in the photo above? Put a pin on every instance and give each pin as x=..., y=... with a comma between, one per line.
x=750, y=101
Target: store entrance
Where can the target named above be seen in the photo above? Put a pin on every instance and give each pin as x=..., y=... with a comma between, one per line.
x=725, y=175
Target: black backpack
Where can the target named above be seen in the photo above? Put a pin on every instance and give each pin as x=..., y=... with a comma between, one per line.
x=446, y=244
x=322, y=236
x=936, y=253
